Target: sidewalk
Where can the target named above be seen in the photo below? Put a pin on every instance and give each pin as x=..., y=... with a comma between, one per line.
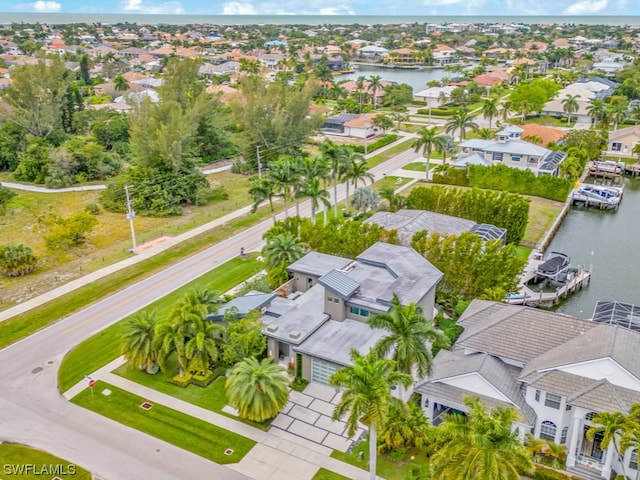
x=278, y=455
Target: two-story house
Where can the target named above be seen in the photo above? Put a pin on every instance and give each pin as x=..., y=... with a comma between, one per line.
x=510, y=150
x=557, y=371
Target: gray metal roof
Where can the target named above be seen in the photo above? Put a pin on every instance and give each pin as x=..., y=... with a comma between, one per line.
x=339, y=283
x=251, y=301
x=334, y=340
x=475, y=158
x=318, y=264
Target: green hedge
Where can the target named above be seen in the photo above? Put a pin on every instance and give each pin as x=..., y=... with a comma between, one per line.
x=439, y=112
x=505, y=210
x=544, y=473
x=452, y=176
x=379, y=143
x=524, y=182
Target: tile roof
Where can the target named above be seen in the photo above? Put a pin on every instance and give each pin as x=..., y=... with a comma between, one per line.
x=602, y=396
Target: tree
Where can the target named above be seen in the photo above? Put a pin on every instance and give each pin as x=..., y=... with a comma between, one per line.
x=138, y=341
x=283, y=176
x=481, y=445
x=410, y=337
x=257, y=389
x=374, y=87
x=367, y=396
x=613, y=426
x=406, y=427
x=427, y=140
x=262, y=190
x=489, y=108
x=383, y=122
x=17, y=260
x=365, y=199
x=120, y=83
x=636, y=151
x=597, y=111
x=5, y=197
x=282, y=250
x=618, y=114
x=486, y=133
x=337, y=157
x=531, y=96
x=169, y=339
x=67, y=232
x=244, y=337
x=355, y=170
x=202, y=348
x=462, y=122
x=314, y=190
x=570, y=105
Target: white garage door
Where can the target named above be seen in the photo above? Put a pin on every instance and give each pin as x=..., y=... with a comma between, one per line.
x=321, y=370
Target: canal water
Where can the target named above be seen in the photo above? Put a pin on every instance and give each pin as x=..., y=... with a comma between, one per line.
x=608, y=242
x=416, y=78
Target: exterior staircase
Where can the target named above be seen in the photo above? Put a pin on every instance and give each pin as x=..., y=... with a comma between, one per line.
x=584, y=472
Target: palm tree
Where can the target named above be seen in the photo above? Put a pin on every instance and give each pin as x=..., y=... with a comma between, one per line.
x=489, y=108
x=257, y=389
x=249, y=66
x=170, y=338
x=317, y=194
x=481, y=445
x=426, y=141
x=209, y=298
x=410, y=337
x=360, y=89
x=355, y=169
x=486, y=133
x=120, y=83
x=202, y=348
x=461, y=121
x=282, y=250
x=337, y=157
x=636, y=151
x=374, y=86
x=618, y=113
x=262, y=189
x=596, y=111
x=283, y=176
x=612, y=426
x=367, y=396
x=137, y=340
x=570, y=105
x=446, y=144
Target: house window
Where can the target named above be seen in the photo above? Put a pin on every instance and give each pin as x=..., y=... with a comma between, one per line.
x=552, y=401
x=567, y=407
x=515, y=158
x=354, y=310
x=563, y=436
x=336, y=300
x=364, y=313
x=548, y=430
x=537, y=395
x=616, y=146
x=497, y=156
x=359, y=311
x=329, y=299
x=633, y=460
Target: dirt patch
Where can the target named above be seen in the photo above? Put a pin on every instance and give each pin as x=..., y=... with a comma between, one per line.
x=144, y=247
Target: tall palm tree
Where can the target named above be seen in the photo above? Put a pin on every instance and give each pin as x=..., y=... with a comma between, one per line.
x=257, y=389
x=282, y=250
x=209, y=298
x=261, y=190
x=570, y=105
x=202, y=348
x=360, y=89
x=169, y=339
x=446, y=144
x=461, y=121
x=314, y=190
x=596, y=111
x=356, y=169
x=426, y=141
x=373, y=87
x=120, y=83
x=337, y=157
x=489, y=108
x=618, y=114
x=481, y=445
x=137, y=340
x=283, y=176
x=367, y=396
x=410, y=337
x=612, y=426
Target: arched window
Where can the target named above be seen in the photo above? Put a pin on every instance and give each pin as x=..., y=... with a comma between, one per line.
x=548, y=430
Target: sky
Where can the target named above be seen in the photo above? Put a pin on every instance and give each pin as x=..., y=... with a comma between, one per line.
x=330, y=7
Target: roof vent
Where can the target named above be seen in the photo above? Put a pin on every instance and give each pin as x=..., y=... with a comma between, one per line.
x=272, y=328
x=294, y=334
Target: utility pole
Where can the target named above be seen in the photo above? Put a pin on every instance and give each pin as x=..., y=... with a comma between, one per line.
x=130, y=216
x=259, y=163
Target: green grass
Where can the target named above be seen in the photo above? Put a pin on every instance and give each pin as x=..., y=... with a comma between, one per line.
x=211, y=398
x=16, y=456
x=523, y=252
x=409, y=464
x=391, y=181
x=100, y=349
x=183, y=431
x=392, y=152
x=542, y=213
x=544, y=120
x=416, y=167
x=324, y=474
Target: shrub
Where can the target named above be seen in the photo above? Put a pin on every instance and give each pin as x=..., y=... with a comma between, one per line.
x=544, y=473
x=439, y=112
x=93, y=209
x=299, y=384
x=379, y=143
x=452, y=176
x=202, y=380
x=17, y=260
x=182, y=382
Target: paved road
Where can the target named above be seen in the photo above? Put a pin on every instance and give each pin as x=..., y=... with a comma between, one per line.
x=33, y=412
x=34, y=188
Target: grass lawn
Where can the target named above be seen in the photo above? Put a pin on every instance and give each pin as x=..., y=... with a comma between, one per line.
x=409, y=464
x=416, y=167
x=212, y=398
x=108, y=243
x=542, y=213
x=324, y=474
x=523, y=252
x=184, y=431
x=103, y=347
x=17, y=456
x=392, y=152
x=545, y=120
x=391, y=181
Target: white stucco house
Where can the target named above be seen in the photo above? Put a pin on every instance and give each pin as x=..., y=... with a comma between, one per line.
x=557, y=371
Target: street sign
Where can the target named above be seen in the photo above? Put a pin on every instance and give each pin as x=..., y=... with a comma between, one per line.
x=92, y=383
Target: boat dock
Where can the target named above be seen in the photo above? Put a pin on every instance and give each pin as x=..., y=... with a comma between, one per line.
x=603, y=197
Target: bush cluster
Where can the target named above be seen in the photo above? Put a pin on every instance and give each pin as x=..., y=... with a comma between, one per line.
x=379, y=143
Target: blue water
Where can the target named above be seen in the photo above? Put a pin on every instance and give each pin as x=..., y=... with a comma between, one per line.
x=312, y=20
x=416, y=78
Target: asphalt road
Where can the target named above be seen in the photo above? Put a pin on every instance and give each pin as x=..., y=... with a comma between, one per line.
x=34, y=413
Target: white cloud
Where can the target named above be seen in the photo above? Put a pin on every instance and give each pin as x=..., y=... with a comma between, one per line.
x=586, y=7
x=337, y=10
x=237, y=8
x=140, y=6
x=41, y=6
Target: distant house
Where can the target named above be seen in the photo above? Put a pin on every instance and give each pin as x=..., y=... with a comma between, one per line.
x=351, y=125
x=546, y=135
x=622, y=141
x=433, y=96
x=555, y=107
x=373, y=52
x=509, y=149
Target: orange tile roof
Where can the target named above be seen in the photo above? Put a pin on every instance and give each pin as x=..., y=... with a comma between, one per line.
x=546, y=134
